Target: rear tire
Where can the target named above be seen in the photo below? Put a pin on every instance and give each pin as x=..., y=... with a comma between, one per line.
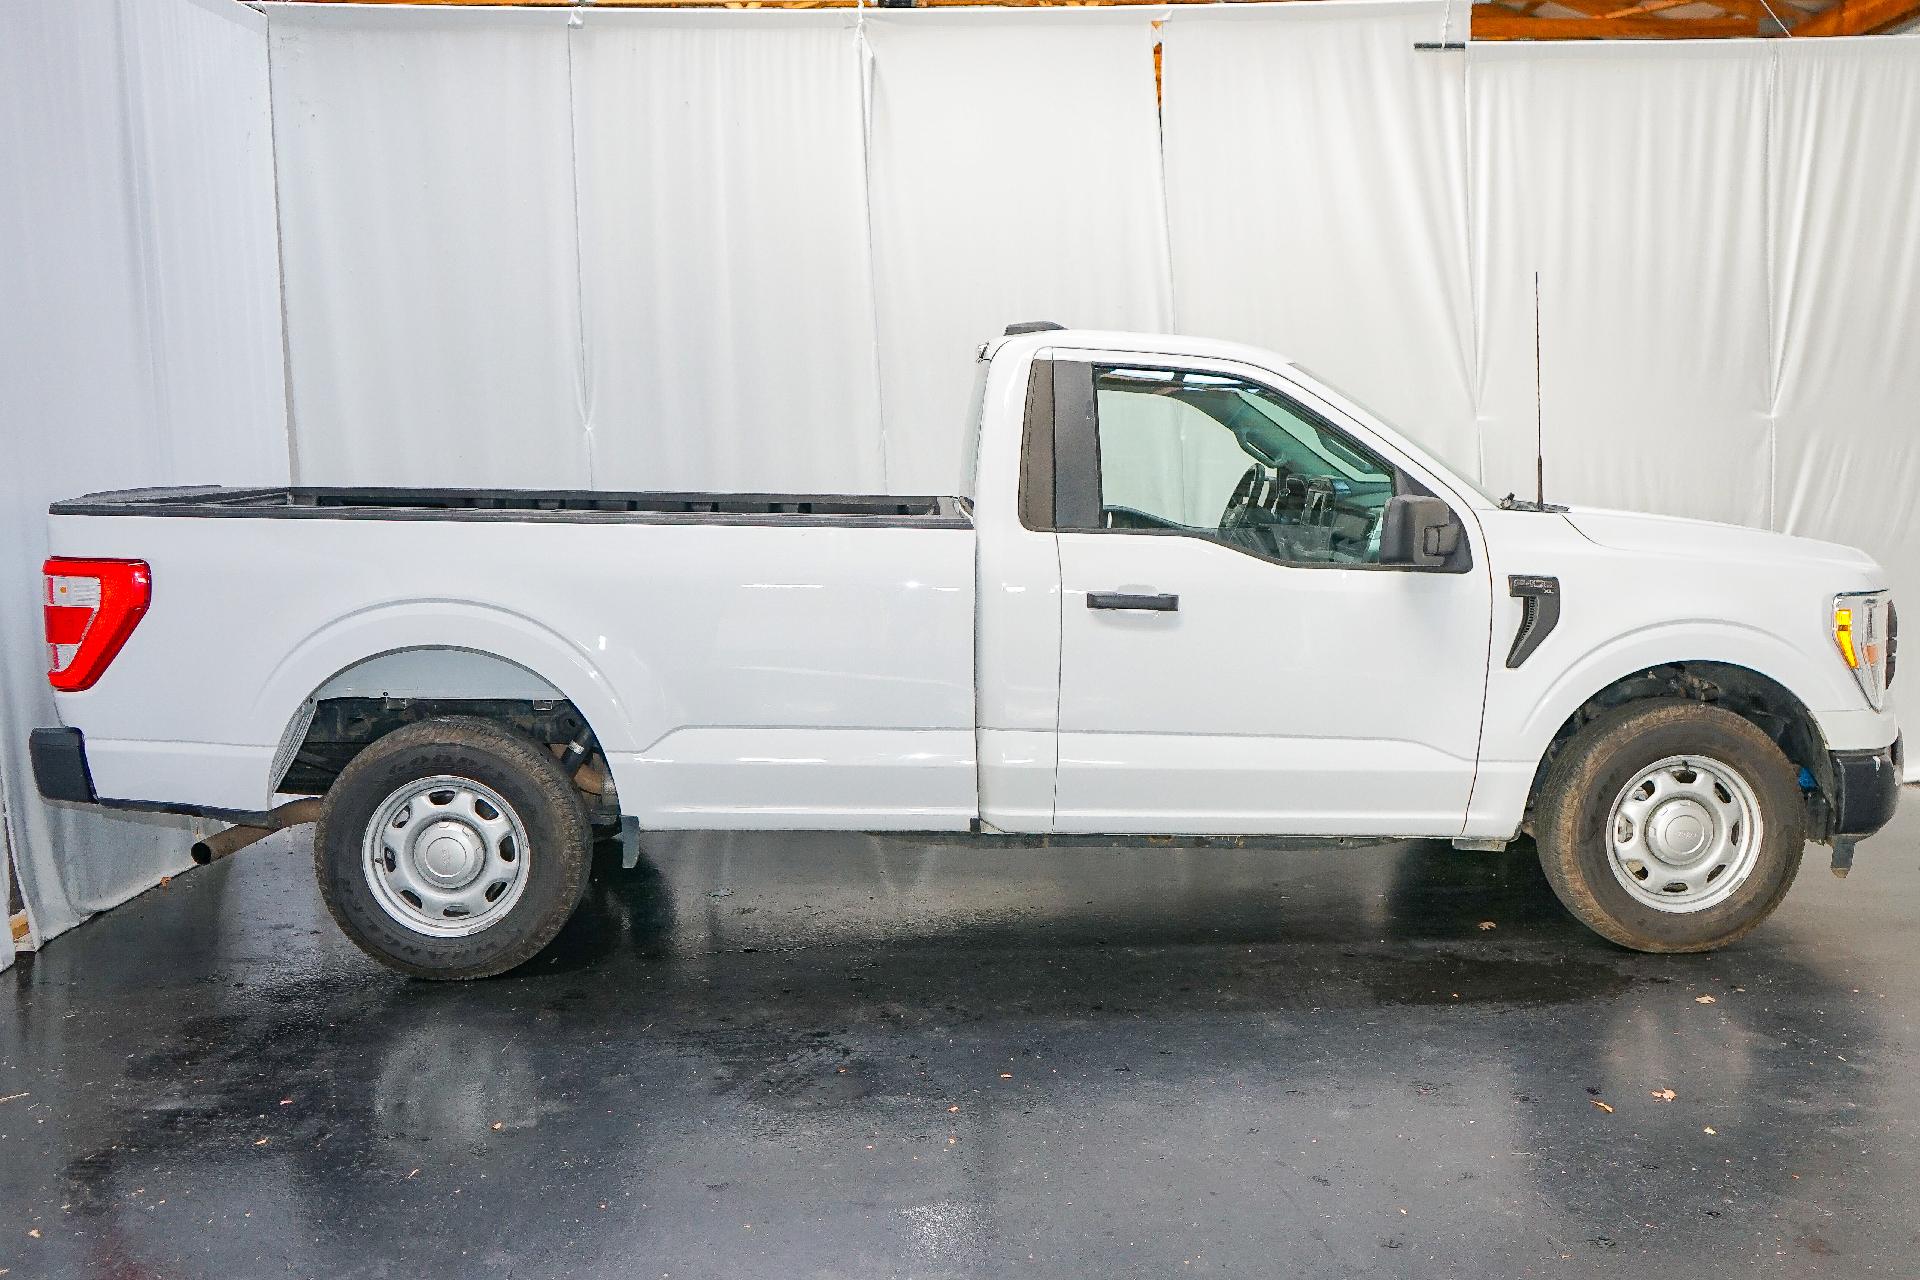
x=1671, y=826
x=453, y=848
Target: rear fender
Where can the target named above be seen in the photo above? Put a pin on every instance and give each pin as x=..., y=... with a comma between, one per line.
x=473, y=629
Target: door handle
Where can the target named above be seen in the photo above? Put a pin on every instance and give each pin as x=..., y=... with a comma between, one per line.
x=1165, y=603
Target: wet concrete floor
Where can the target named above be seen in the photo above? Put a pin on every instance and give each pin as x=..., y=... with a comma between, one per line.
x=794, y=1056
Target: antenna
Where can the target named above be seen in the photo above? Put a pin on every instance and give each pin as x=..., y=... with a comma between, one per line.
x=1539, y=420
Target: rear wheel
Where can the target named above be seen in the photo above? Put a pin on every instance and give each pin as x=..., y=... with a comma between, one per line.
x=452, y=848
x=1671, y=826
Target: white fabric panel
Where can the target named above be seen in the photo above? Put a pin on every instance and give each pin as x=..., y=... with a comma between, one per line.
x=197, y=77
x=1846, y=267
x=1316, y=195
x=1014, y=175
x=727, y=302
x=1631, y=176
x=428, y=237
x=139, y=343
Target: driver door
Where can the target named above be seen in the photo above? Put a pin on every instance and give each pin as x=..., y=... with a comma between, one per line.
x=1234, y=657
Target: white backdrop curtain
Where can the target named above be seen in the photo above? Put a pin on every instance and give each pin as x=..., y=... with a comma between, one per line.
x=756, y=250
x=693, y=250
x=1843, y=204
x=725, y=283
x=1015, y=175
x=1636, y=188
x=425, y=163
x=1316, y=192
x=139, y=342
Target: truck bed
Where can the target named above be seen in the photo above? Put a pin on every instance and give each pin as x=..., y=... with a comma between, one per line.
x=333, y=503
x=743, y=659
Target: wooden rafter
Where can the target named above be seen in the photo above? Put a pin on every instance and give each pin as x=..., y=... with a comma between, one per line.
x=1684, y=19
x=1639, y=22
x=1858, y=17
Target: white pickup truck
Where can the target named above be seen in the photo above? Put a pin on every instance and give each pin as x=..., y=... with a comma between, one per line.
x=1191, y=591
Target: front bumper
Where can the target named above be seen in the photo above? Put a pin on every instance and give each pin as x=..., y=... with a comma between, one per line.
x=60, y=765
x=1866, y=789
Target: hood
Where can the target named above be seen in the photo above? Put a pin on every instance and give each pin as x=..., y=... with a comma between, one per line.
x=1709, y=539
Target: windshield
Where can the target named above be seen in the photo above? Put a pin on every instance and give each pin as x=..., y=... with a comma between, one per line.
x=1342, y=393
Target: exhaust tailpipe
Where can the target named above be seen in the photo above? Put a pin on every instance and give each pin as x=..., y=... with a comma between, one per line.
x=234, y=839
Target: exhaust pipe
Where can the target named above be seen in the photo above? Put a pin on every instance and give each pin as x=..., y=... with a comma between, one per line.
x=234, y=839
x=588, y=770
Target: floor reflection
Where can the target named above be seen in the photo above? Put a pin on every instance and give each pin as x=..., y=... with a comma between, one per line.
x=890, y=1056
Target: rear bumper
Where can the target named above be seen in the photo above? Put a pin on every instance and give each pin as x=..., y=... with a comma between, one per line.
x=60, y=765
x=1866, y=789
x=62, y=772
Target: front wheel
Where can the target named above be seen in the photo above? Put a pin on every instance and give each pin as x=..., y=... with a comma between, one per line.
x=452, y=848
x=1671, y=826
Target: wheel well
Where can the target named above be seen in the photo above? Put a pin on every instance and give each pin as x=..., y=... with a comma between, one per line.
x=1763, y=701
x=386, y=691
x=343, y=727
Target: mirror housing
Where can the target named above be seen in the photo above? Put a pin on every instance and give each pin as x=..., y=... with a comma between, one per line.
x=1419, y=531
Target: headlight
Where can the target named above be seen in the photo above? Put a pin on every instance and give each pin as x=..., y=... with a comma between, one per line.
x=1863, y=632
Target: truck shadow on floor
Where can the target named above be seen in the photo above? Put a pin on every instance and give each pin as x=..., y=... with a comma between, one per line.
x=1412, y=922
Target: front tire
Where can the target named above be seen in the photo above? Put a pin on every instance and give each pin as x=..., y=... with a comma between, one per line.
x=453, y=848
x=1671, y=826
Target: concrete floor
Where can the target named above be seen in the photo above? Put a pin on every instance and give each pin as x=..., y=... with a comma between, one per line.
x=830, y=1056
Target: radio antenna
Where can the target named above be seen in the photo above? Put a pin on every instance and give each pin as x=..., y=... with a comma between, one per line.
x=1539, y=419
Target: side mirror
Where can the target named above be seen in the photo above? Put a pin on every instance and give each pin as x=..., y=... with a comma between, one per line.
x=1418, y=531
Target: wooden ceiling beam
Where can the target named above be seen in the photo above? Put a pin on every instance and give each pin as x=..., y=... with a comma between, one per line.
x=1641, y=10
x=1531, y=8
x=1758, y=9
x=1857, y=17
x=1496, y=22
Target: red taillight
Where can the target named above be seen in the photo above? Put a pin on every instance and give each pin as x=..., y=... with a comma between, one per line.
x=92, y=607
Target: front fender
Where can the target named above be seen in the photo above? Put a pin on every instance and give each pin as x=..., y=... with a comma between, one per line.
x=1690, y=640
x=1527, y=706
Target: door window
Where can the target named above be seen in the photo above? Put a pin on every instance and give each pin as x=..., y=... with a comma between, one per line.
x=1222, y=458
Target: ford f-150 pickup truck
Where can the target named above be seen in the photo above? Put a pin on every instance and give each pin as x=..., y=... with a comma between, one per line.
x=1189, y=591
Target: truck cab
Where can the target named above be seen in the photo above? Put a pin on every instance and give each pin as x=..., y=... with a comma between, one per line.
x=1277, y=613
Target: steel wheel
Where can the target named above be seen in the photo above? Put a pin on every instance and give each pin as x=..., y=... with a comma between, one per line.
x=446, y=856
x=1684, y=834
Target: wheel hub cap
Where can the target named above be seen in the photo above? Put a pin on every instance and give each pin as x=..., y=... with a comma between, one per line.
x=1684, y=834
x=446, y=856
x=1678, y=831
